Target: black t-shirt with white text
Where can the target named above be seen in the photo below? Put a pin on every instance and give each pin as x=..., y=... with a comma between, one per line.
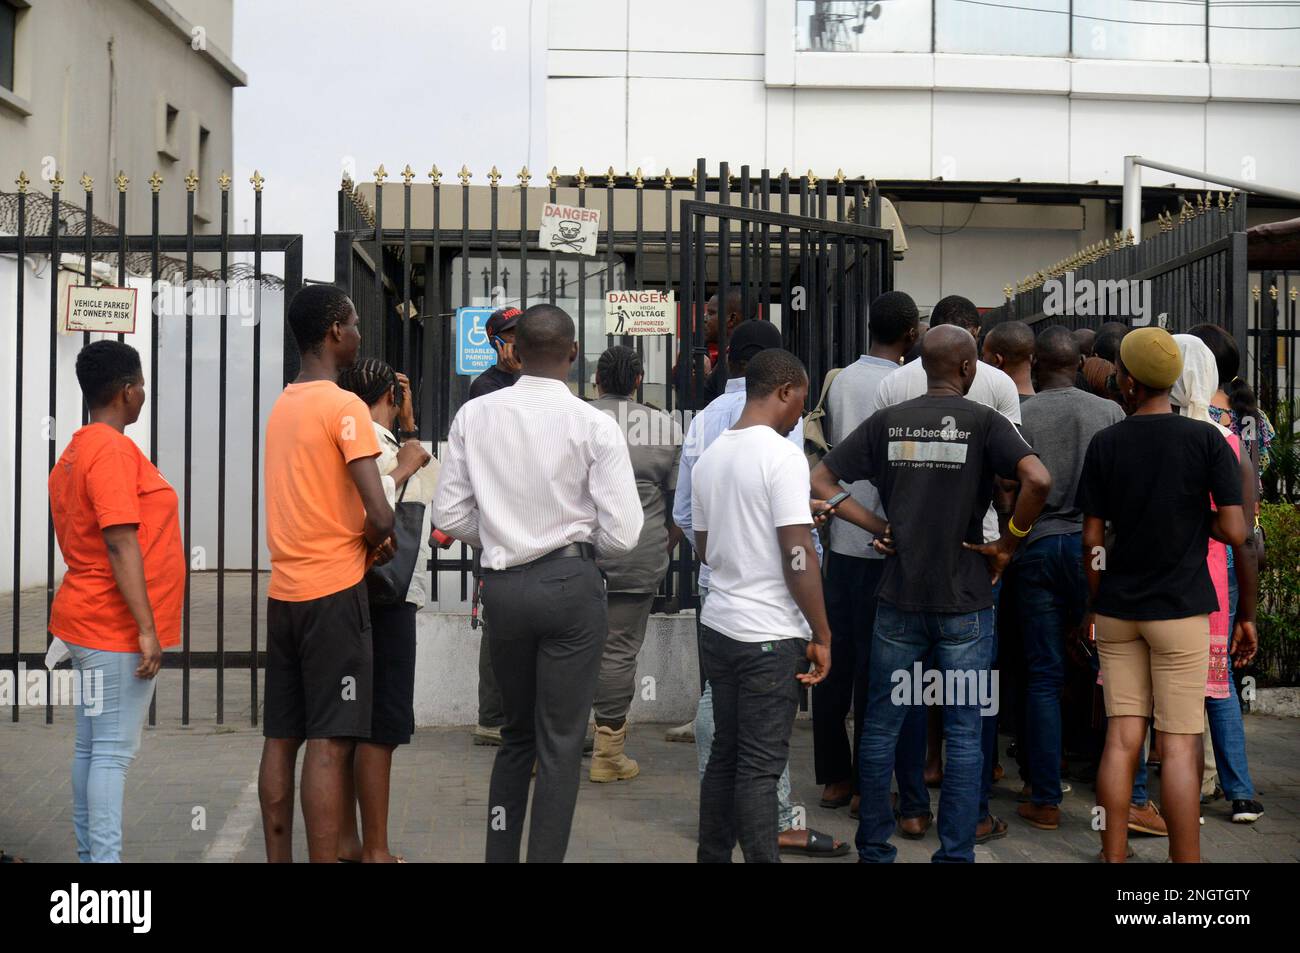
x=933, y=460
x=1152, y=476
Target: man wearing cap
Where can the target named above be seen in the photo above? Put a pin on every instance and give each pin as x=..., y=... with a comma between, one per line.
x=1165, y=484
x=501, y=335
x=748, y=339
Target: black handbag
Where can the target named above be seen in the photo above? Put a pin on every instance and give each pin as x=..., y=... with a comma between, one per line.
x=388, y=584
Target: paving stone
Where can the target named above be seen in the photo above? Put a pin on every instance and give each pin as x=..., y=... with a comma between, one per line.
x=439, y=799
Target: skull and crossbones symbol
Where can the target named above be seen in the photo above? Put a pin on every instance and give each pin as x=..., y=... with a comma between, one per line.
x=569, y=235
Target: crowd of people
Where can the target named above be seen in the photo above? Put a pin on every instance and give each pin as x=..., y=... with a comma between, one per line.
x=993, y=530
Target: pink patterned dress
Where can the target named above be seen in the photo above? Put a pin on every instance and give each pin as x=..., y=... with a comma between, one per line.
x=1216, y=683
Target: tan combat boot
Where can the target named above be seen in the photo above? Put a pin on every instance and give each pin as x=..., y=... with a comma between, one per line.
x=608, y=762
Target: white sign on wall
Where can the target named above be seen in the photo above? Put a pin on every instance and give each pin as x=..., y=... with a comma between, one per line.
x=100, y=308
x=639, y=312
x=569, y=229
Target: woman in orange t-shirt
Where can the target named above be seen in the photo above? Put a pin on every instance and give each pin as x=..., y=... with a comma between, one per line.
x=120, y=602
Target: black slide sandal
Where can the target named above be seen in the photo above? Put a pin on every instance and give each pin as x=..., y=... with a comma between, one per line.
x=819, y=845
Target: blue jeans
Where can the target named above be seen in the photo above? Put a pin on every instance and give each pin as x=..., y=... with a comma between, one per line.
x=909, y=763
x=989, y=726
x=1227, y=733
x=1140, y=796
x=108, y=736
x=704, y=731
x=960, y=642
x=1053, y=597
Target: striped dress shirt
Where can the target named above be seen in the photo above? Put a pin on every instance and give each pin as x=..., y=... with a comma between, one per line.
x=532, y=468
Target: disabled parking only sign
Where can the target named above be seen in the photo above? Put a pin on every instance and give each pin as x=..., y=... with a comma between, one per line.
x=474, y=353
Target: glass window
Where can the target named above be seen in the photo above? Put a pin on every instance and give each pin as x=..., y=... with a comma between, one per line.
x=862, y=26
x=1139, y=30
x=1250, y=32
x=8, y=28
x=964, y=27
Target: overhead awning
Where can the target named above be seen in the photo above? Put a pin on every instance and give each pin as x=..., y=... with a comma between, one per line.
x=1274, y=246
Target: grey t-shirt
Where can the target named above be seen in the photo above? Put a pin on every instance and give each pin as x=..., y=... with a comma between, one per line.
x=849, y=402
x=654, y=444
x=1059, y=424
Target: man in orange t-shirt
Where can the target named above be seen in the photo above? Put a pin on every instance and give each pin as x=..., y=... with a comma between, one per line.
x=327, y=520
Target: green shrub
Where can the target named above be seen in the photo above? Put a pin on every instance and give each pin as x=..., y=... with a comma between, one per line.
x=1278, y=616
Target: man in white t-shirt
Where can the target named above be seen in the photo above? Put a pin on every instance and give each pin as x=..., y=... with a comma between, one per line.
x=992, y=388
x=764, y=619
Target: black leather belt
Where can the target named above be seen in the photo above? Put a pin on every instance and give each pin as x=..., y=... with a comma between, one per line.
x=582, y=550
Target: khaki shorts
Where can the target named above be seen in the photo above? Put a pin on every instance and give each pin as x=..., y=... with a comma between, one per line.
x=1156, y=666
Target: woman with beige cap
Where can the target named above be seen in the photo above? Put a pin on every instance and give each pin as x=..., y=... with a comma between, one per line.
x=1152, y=477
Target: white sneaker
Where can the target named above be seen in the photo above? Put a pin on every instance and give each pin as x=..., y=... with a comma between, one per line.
x=684, y=733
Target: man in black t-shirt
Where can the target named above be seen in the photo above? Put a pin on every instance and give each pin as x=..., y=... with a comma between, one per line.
x=934, y=459
x=1152, y=478
x=501, y=335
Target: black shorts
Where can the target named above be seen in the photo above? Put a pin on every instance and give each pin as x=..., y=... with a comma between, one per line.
x=392, y=631
x=319, y=681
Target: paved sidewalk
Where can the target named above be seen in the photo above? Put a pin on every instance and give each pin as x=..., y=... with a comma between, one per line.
x=191, y=796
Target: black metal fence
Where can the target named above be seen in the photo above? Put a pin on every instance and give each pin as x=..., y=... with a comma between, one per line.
x=807, y=253
x=48, y=227
x=1272, y=372
x=1192, y=271
x=1195, y=270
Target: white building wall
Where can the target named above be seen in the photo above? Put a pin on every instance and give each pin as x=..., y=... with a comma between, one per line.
x=633, y=83
x=167, y=392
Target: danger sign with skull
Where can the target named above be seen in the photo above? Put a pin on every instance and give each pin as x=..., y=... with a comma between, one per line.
x=568, y=229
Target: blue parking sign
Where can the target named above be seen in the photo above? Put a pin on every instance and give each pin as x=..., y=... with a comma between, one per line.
x=474, y=353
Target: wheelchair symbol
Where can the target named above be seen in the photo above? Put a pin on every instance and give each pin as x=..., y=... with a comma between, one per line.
x=476, y=336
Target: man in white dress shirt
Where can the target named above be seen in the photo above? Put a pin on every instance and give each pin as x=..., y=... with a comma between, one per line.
x=541, y=482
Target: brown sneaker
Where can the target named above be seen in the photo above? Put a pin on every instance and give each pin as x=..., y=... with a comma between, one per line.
x=1046, y=817
x=1147, y=820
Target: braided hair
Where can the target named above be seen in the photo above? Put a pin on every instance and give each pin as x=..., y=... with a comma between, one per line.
x=618, y=369
x=369, y=379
